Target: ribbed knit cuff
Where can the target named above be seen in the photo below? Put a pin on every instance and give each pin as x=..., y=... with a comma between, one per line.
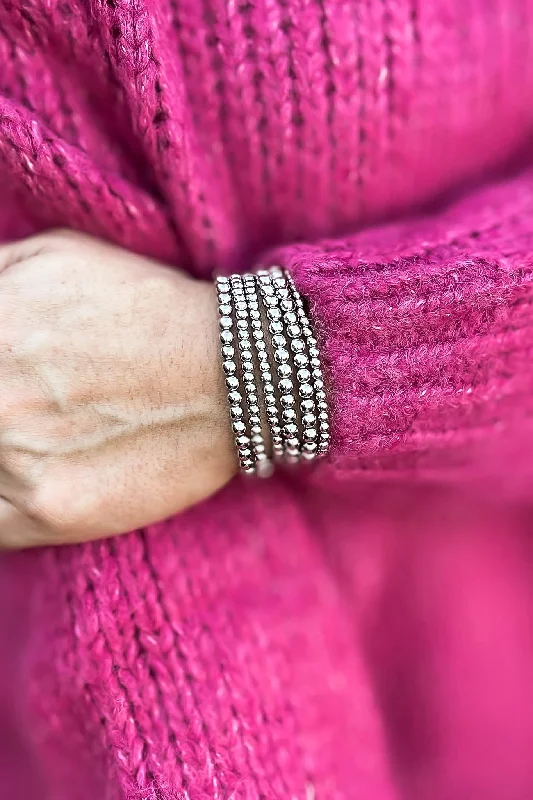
x=426, y=333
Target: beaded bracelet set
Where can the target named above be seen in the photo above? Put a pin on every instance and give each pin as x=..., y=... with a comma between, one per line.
x=271, y=362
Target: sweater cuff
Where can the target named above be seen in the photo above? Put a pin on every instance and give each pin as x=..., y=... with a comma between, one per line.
x=425, y=331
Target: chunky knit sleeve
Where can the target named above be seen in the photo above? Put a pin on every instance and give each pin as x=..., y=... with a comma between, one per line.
x=426, y=330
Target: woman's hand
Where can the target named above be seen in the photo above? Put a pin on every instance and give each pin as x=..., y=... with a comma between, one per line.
x=112, y=401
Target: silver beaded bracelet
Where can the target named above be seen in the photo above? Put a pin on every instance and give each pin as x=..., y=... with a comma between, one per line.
x=270, y=357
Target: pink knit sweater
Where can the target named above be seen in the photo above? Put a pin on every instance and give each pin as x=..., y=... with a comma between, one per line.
x=362, y=631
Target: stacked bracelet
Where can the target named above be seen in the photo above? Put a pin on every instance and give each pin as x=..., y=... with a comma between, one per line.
x=273, y=373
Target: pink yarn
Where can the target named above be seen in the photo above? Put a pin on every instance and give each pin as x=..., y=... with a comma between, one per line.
x=362, y=630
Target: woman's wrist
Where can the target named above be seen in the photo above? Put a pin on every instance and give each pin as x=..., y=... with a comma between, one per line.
x=201, y=385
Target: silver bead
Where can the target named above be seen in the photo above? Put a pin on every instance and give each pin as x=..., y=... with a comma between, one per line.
x=310, y=447
x=274, y=314
x=255, y=410
x=254, y=420
x=239, y=426
x=246, y=355
x=226, y=323
x=258, y=334
x=234, y=397
x=324, y=427
x=320, y=395
x=323, y=416
x=268, y=387
x=228, y=351
x=308, y=420
x=315, y=362
x=255, y=429
x=248, y=377
x=286, y=305
x=226, y=337
x=236, y=412
x=307, y=331
x=241, y=305
x=317, y=374
x=260, y=346
x=322, y=406
x=291, y=318
x=255, y=324
x=224, y=310
x=294, y=330
x=287, y=400
x=288, y=414
x=281, y=355
x=310, y=434
x=303, y=375
x=224, y=299
x=276, y=430
x=270, y=399
x=283, y=292
x=272, y=411
x=290, y=429
x=242, y=441
x=297, y=346
x=267, y=290
x=284, y=371
x=305, y=390
x=301, y=360
x=313, y=352
x=307, y=406
x=254, y=314
x=242, y=324
x=232, y=382
x=285, y=385
x=319, y=384
x=243, y=335
x=278, y=340
x=252, y=397
x=229, y=367
x=275, y=327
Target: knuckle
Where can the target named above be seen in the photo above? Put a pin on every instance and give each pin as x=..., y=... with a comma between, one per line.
x=59, y=506
x=59, y=235
x=62, y=238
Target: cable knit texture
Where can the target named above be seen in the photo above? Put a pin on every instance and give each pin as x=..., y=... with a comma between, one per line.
x=361, y=631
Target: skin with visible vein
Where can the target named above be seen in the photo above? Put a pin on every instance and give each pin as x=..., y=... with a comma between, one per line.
x=112, y=400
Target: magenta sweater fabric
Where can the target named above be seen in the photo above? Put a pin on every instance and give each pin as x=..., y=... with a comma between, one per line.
x=364, y=630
